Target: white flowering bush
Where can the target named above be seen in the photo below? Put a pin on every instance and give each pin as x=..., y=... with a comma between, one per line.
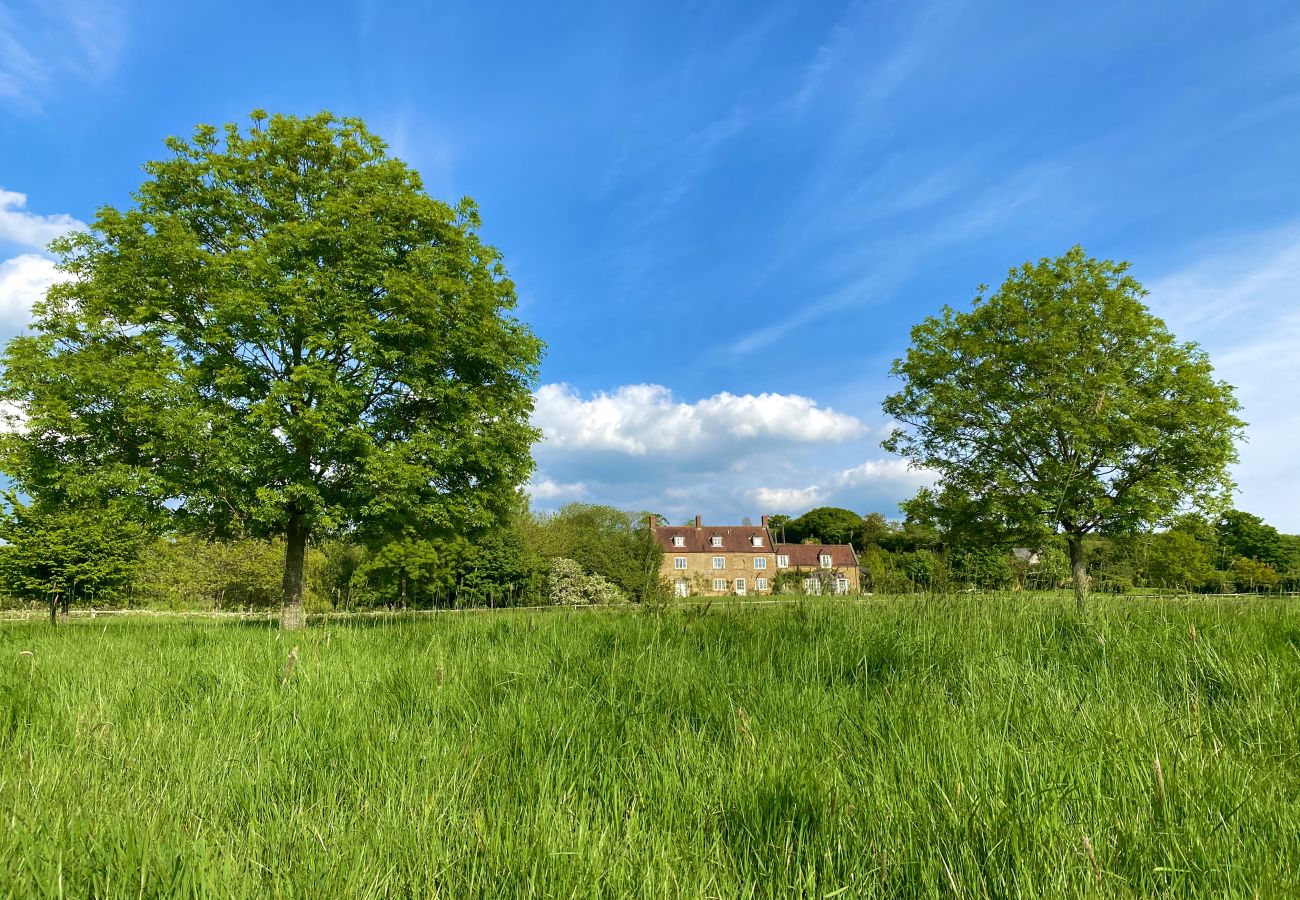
x=568, y=585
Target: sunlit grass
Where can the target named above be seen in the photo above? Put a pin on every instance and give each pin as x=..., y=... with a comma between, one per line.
x=989, y=746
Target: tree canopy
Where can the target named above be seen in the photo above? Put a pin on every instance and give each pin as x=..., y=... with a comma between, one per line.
x=1060, y=403
x=283, y=335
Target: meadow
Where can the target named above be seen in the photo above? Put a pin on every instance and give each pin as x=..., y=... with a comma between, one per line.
x=998, y=745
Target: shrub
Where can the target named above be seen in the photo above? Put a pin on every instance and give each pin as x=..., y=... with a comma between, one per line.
x=568, y=585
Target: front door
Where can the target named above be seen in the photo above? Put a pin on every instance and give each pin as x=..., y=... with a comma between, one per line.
x=683, y=587
x=740, y=587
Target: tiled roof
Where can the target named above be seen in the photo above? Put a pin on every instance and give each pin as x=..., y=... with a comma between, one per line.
x=735, y=538
x=809, y=555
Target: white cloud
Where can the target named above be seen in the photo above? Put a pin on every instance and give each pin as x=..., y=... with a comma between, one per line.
x=847, y=487
x=24, y=280
x=787, y=499
x=13, y=418
x=547, y=491
x=27, y=229
x=879, y=471
x=1239, y=301
x=644, y=419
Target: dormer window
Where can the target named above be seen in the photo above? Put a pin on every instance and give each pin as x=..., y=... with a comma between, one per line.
x=679, y=541
x=757, y=541
x=715, y=541
x=825, y=559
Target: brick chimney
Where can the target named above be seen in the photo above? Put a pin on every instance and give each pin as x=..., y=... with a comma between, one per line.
x=697, y=521
x=652, y=520
x=765, y=521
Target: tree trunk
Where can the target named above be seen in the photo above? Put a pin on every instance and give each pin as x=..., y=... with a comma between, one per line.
x=292, y=613
x=54, y=608
x=403, y=606
x=1079, y=570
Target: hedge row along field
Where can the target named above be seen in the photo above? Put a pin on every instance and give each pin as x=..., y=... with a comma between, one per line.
x=905, y=748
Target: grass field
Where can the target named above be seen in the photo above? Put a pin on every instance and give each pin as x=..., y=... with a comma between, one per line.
x=993, y=746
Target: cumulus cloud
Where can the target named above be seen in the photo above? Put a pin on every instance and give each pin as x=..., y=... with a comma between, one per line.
x=646, y=419
x=787, y=499
x=28, y=229
x=847, y=487
x=24, y=280
x=547, y=491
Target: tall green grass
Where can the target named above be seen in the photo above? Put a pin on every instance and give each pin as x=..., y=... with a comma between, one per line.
x=998, y=746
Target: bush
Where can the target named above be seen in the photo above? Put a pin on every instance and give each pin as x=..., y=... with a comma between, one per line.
x=568, y=585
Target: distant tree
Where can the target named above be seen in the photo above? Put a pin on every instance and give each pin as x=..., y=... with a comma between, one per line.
x=776, y=524
x=1060, y=402
x=1177, y=559
x=1242, y=534
x=824, y=525
x=1253, y=575
x=982, y=567
x=874, y=528
x=284, y=335
x=63, y=555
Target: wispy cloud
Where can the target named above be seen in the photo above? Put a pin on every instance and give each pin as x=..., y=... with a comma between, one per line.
x=55, y=40
x=1241, y=301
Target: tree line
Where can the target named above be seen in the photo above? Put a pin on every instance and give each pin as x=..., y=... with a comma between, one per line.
x=580, y=554
x=1233, y=552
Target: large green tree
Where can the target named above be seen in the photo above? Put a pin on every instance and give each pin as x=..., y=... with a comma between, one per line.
x=283, y=335
x=1060, y=402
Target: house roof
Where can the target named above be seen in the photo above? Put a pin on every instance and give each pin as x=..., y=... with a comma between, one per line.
x=697, y=538
x=809, y=555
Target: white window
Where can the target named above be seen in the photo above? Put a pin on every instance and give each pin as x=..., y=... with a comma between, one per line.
x=719, y=584
x=719, y=562
x=812, y=585
x=757, y=541
x=760, y=562
x=679, y=541
x=760, y=584
x=679, y=562
x=715, y=541
x=841, y=585
x=782, y=562
x=825, y=560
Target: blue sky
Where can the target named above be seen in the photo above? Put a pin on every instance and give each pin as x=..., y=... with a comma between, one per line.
x=723, y=218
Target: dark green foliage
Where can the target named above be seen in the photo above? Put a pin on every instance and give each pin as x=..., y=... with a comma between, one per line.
x=66, y=554
x=1242, y=534
x=823, y=525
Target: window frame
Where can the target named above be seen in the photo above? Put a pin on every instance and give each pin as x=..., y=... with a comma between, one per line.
x=760, y=584
x=719, y=584
x=782, y=561
x=719, y=562
x=679, y=563
x=715, y=540
x=825, y=560
x=760, y=562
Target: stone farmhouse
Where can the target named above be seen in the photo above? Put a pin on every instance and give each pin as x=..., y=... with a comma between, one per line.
x=720, y=560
